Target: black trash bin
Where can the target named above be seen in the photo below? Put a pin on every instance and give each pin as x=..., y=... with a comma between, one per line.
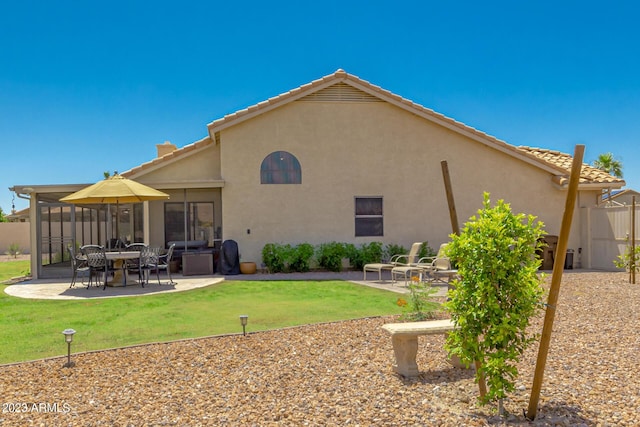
x=568, y=261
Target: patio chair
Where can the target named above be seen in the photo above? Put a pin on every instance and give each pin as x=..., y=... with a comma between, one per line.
x=439, y=268
x=425, y=268
x=133, y=265
x=407, y=272
x=396, y=261
x=159, y=262
x=78, y=265
x=147, y=261
x=98, y=263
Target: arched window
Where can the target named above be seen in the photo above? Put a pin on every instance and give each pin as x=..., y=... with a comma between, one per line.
x=280, y=167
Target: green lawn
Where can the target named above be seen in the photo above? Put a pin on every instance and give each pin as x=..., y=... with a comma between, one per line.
x=13, y=269
x=31, y=329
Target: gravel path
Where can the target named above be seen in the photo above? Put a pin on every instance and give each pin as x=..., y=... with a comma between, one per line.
x=340, y=374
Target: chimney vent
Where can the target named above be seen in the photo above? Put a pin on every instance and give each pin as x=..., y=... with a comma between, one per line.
x=165, y=148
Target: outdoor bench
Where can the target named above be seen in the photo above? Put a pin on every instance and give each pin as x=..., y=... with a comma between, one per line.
x=404, y=337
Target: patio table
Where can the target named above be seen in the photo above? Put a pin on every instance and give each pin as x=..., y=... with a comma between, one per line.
x=118, y=259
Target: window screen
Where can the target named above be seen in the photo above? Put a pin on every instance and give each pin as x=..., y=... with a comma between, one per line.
x=368, y=218
x=199, y=221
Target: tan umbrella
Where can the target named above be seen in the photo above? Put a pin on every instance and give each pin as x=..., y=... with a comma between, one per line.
x=115, y=189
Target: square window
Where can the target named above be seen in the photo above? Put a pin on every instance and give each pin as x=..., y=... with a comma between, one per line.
x=368, y=216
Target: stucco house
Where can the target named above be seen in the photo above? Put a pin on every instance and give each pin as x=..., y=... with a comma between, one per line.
x=337, y=159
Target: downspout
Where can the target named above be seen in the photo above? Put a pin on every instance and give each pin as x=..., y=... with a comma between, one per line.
x=25, y=196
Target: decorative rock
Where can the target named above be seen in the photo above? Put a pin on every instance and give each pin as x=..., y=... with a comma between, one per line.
x=340, y=374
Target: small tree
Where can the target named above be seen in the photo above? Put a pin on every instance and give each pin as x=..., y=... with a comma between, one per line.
x=497, y=293
x=3, y=217
x=13, y=250
x=630, y=259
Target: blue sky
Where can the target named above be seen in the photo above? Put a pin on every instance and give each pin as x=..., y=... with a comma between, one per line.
x=88, y=87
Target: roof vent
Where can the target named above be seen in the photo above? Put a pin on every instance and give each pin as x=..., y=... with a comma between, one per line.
x=341, y=92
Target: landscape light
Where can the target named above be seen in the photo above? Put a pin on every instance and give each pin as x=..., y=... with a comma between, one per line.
x=243, y=321
x=68, y=337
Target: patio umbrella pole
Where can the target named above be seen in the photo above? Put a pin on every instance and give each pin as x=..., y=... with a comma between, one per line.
x=556, y=279
x=118, y=220
x=108, y=226
x=482, y=383
x=185, y=219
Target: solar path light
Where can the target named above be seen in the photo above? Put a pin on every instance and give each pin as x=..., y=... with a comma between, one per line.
x=243, y=321
x=68, y=337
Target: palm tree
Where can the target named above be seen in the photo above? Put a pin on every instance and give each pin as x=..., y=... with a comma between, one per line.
x=609, y=164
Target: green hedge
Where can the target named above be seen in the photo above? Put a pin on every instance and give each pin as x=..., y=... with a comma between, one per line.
x=280, y=258
x=286, y=258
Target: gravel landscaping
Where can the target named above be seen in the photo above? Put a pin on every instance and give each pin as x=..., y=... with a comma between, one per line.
x=340, y=374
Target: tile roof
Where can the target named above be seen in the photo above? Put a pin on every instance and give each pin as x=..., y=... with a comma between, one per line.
x=562, y=161
x=552, y=161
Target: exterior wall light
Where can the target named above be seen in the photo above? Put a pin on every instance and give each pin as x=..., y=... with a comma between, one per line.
x=68, y=337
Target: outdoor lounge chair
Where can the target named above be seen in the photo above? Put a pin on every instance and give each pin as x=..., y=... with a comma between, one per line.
x=439, y=267
x=431, y=269
x=395, y=261
x=439, y=270
x=407, y=272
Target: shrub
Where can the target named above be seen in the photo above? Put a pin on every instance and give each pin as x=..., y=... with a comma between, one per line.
x=273, y=256
x=371, y=253
x=365, y=254
x=420, y=305
x=330, y=255
x=390, y=250
x=299, y=257
x=13, y=250
x=286, y=258
x=354, y=255
x=426, y=251
x=280, y=258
